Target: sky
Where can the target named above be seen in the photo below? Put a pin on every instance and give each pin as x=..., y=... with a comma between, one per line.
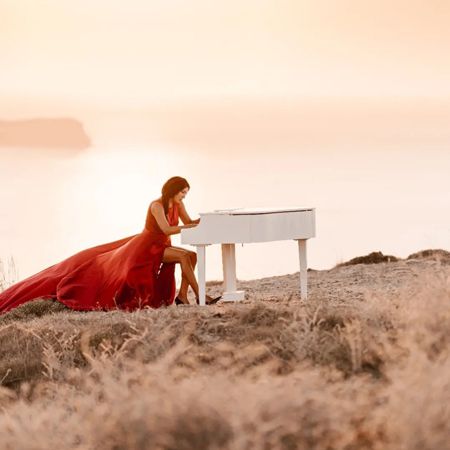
x=107, y=53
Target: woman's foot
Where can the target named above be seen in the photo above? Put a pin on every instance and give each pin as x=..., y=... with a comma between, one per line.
x=210, y=300
x=181, y=301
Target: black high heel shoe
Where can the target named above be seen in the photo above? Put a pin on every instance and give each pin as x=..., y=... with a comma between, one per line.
x=211, y=302
x=179, y=302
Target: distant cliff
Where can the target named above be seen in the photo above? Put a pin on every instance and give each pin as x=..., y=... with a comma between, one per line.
x=59, y=133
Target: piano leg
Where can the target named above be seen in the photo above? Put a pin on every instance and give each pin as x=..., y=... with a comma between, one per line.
x=229, y=274
x=303, y=268
x=201, y=274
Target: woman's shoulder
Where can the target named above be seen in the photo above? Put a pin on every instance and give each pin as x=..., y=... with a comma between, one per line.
x=154, y=206
x=156, y=201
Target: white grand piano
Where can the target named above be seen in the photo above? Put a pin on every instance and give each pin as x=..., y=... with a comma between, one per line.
x=246, y=225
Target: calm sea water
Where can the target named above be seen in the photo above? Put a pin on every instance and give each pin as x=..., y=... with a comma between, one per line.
x=394, y=198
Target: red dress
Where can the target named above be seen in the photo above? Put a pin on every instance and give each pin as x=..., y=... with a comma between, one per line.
x=126, y=274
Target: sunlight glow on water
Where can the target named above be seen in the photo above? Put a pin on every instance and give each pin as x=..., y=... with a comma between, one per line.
x=396, y=201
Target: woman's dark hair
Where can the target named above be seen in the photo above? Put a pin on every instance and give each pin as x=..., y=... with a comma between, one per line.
x=171, y=188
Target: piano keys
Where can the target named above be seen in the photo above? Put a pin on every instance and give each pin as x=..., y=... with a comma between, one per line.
x=247, y=225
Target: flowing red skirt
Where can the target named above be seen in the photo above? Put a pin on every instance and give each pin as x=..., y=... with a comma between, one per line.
x=126, y=274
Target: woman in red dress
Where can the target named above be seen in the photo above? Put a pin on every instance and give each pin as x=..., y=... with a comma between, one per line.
x=134, y=272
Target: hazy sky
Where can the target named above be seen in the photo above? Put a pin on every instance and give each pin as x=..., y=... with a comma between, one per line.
x=129, y=53
x=216, y=91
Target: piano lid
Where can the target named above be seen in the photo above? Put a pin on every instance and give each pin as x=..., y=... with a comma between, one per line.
x=245, y=211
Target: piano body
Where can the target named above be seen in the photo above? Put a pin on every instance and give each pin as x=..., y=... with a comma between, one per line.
x=246, y=225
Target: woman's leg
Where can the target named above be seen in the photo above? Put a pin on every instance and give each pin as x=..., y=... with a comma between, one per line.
x=187, y=260
x=183, y=292
x=183, y=257
x=184, y=281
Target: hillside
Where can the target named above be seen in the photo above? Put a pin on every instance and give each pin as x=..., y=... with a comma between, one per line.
x=364, y=363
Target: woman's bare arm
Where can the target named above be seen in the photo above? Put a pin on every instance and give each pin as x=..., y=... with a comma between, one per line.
x=158, y=211
x=184, y=216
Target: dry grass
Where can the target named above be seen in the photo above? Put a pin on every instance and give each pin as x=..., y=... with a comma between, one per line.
x=9, y=274
x=346, y=373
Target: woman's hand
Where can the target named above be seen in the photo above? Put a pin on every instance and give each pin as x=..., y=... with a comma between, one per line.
x=189, y=225
x=196, y=221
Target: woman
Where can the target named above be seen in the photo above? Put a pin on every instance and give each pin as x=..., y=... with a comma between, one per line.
x=131, y=273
